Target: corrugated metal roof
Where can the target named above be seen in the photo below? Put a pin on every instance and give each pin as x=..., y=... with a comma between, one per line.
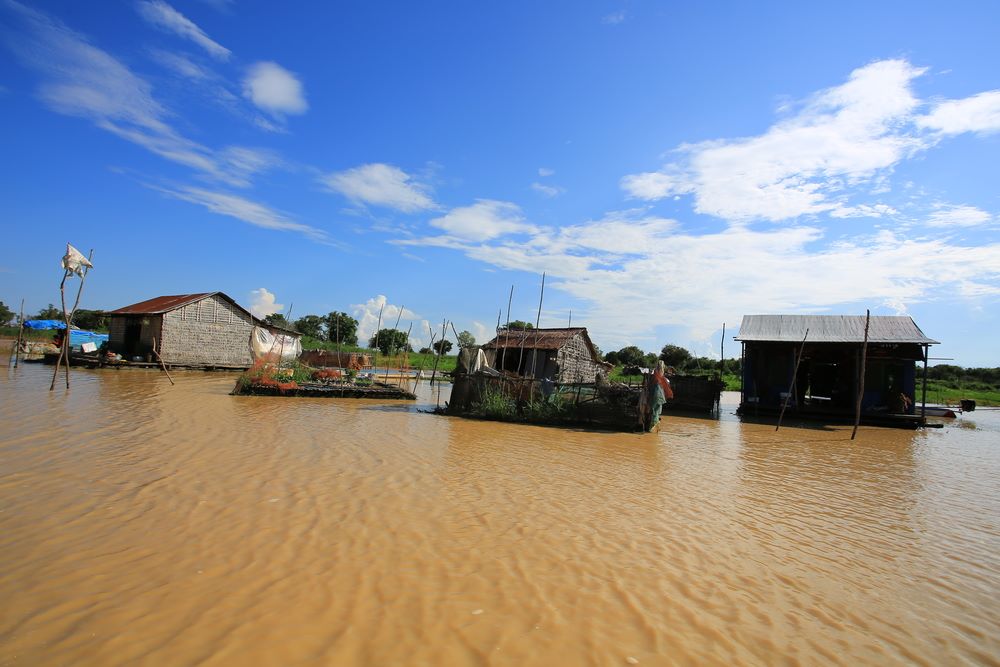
x=162, y=304
x=534, y=339
x=831, y=329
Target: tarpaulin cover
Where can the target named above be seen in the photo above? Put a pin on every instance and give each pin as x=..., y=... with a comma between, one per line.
x=44, y=324
x=79, y=337
x=263, y=343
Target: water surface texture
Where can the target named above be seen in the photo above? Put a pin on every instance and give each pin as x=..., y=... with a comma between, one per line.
x=142, y=523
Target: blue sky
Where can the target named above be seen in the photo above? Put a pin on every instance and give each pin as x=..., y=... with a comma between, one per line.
x=669, y=166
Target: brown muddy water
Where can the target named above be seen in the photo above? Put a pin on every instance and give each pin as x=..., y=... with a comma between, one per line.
x=147, y=524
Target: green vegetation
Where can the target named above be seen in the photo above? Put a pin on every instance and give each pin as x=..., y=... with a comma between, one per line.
x=6, y=314
x=949, y=384
x=495, y=405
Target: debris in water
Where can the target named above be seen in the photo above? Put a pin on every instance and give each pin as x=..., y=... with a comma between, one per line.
x=477, y=612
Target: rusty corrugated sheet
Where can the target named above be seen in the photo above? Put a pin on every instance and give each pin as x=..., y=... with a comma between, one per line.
x=534, y=339
x=831, y=329
x=161, y=304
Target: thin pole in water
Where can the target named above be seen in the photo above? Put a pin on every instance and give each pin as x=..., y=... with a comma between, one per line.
x=20, y=330
x=861, y=379
x=795, y=373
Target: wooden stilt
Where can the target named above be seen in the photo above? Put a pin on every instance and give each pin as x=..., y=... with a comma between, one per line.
x=791, y=388
x=163, y=366
x=16, y=352
x=861, y=379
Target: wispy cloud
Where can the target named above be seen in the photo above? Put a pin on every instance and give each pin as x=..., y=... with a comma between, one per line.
x=545, y=172
x=946, y=216
x=274, y=89
x=165, y=17
x=978, y=113
x=181, y=65
x=484, y=220
x=547, y=190
x=614, y=18
x=845, y=135
x=246, y=210
x=263, y=303
x=383, y=185
x=82, y=80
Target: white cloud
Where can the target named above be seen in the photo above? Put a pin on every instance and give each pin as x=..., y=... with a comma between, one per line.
x=367, y=315
x=547, y=190
x=262, y=303
x=958, y=216
x=165, y=17
x=84, y=81
x=181, y=65
x=484, y=220
x=244, y=209
x=979, y=113
x=274, y=89
x=544, y=171
x=638, y=272
x=844, y=135
x=614, y=18
x=381, y=185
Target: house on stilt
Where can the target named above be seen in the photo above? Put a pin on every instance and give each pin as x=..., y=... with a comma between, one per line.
x=205, y=330
x=811, y=366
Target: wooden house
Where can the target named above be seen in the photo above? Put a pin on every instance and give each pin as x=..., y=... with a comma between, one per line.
x=562, y=355
x=824, y=383
x=207, y=330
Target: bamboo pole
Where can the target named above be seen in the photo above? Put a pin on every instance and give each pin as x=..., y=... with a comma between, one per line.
x=16, y=353
x=392, y=346
x=68, y=317
x=506, y=337
x=722, y=352
x=437, y=358
x=923, y=398
x=861, y=379
x=163, y=366
x=378, y=329
x=791, y=388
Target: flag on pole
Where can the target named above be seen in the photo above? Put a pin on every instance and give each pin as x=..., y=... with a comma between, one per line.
x=74, y=261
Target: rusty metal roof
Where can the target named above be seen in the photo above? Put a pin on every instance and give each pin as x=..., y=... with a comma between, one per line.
x=831, y=329
x=542, y=339
x=163, y=304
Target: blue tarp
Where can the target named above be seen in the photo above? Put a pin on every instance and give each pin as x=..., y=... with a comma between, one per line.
x=77, y=338
x=44, y=324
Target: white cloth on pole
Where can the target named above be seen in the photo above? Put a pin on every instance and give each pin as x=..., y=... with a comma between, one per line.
x=74, y=261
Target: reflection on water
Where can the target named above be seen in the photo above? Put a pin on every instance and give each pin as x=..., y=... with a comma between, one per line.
x=144, y=523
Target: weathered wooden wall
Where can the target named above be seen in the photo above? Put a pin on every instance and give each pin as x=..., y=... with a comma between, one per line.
x=576, y=363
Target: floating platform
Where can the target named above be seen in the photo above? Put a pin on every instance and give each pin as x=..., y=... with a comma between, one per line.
x=378, y=390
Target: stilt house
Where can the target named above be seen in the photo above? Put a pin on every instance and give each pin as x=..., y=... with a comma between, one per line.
x=562, y=355
x=208, y=330
x=827, y=380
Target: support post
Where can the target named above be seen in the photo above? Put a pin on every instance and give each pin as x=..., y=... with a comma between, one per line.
x=20, y=331
x=861, y=379
x=791, y=388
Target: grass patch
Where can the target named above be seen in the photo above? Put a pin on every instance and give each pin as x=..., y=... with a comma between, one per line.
x=942, y=393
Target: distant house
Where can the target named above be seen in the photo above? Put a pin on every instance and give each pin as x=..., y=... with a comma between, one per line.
x=562, y=355
x=203, y=330
x=828, y=377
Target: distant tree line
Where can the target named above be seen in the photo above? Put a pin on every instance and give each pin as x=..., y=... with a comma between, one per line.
x=339, y=327
x=965, y=378
x=672, y=355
